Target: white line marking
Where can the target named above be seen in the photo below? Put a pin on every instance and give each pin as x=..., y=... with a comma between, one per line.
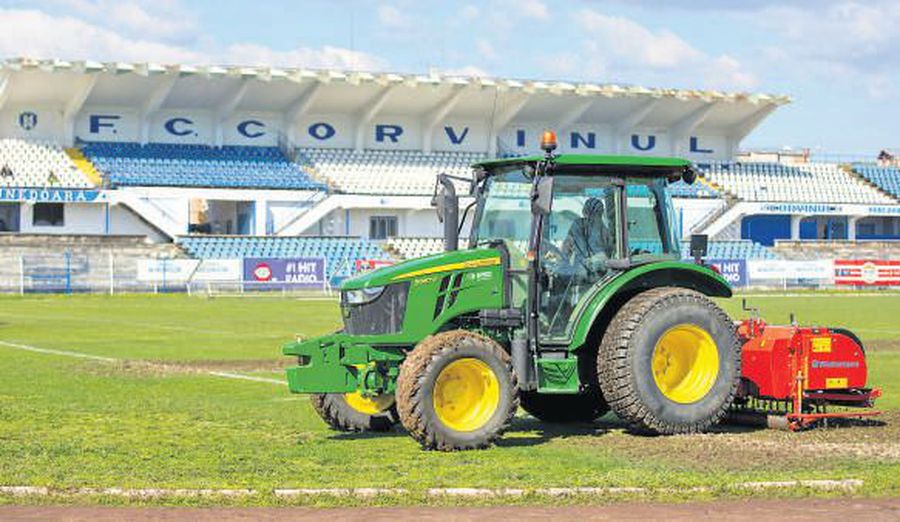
x=58, y=352
x=826, y=484
x=80, y=355
x=229, y=375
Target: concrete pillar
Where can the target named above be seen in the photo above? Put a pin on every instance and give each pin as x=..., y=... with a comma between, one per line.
x=261, y=217
x=851, y=227
x=795, y=226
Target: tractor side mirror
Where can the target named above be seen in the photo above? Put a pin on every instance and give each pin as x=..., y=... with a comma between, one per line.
x=439, y=204
x=699, y=246
x=446, y=202
x=542, y=199
x=689, y=175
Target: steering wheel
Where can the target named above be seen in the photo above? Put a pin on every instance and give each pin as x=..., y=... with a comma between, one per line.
x=553, y=255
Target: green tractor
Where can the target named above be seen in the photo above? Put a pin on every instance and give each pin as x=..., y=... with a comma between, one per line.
x=570, y=301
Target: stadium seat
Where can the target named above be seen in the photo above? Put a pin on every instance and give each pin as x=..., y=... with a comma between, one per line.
x=413, y=247
x=231, y=166
x=38, y=165
x=809, y=183
x=399, y=172
x=736, y=249
x=886, y=178
x=341, y=253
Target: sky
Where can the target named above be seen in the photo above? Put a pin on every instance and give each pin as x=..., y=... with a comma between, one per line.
x=838, y=59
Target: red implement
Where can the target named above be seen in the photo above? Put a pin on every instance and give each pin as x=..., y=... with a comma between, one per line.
x=793, y=374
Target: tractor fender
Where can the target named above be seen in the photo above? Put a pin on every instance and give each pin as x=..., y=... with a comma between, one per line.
x=610, y=297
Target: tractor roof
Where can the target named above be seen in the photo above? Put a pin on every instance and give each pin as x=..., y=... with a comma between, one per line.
x=594, y=160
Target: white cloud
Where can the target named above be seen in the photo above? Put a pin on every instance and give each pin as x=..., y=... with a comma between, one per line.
x=848, y=40
x=469, y=12
x=326, y=57
x=467, y=71
x=392, y=17
x=486, y=49
x=618, y=49
x=165, y=20
x=627, y=39
x=533, y=9
x=37, y=34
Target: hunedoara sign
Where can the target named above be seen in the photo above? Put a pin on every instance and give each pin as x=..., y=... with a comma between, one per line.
x=51, y=195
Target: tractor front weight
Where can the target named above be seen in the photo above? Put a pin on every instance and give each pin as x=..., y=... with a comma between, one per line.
x=340, y=363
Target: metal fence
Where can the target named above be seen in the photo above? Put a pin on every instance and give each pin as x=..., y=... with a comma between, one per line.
x=110, y=273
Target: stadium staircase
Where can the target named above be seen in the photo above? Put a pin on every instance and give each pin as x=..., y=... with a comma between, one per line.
x=85, y=166
x=149, y=212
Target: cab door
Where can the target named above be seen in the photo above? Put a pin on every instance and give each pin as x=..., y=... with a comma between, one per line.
x=579, y=237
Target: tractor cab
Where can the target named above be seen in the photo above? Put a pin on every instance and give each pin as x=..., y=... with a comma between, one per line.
x=575, y=221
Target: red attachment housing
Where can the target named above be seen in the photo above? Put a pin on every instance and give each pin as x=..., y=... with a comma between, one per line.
x=806, y=367
x=827, y=359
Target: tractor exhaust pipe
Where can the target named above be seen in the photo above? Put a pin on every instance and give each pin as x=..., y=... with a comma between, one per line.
x=447, y=204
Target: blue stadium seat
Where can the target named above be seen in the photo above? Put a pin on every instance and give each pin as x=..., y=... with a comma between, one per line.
x=340, y=253
x=171, y=165
x=737, y=249
x=887, y=178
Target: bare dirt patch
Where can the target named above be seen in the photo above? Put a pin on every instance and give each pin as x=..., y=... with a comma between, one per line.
x=745, y=510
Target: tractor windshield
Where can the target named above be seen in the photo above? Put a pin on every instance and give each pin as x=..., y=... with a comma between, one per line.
x=504, y=214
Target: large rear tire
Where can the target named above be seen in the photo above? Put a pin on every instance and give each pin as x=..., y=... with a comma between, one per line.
x=457, y=391
x=353, y=412
x=670, y=362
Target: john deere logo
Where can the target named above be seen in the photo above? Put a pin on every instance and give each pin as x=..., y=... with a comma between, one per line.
x=28, y=120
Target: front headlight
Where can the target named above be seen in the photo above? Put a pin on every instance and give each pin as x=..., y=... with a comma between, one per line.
x=362, y=295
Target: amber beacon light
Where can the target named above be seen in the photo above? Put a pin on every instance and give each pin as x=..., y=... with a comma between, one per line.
x=548, y=141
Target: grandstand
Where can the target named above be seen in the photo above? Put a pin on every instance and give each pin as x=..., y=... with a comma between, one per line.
x=186, y=165
x=886, y=178
x=810, y=183
x=36, y=164
x=224, y=163
x=402, y=172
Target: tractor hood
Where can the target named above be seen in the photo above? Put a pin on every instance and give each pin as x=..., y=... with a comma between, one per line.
x=425, y=266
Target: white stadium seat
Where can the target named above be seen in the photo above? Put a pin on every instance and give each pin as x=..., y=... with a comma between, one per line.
x=808, y=183
x=403, y=172
x=38, y=165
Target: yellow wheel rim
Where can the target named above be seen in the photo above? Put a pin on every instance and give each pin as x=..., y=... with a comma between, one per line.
x=685, y=363
x=466, y=394
x=369, y=405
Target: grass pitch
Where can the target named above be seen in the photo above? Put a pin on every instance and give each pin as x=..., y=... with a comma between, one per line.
x=156, y=417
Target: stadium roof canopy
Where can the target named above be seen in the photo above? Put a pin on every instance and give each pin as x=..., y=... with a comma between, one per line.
x=430, y=99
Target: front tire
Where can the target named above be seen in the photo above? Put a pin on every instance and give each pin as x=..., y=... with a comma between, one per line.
x=457, y=391
x=670, y=362
x=353, y=412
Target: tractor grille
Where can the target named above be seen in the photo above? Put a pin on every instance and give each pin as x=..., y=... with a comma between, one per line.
x=382, y=316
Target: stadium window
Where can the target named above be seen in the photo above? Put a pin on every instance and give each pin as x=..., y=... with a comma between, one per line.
x=382, y=227
x=49, y=215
